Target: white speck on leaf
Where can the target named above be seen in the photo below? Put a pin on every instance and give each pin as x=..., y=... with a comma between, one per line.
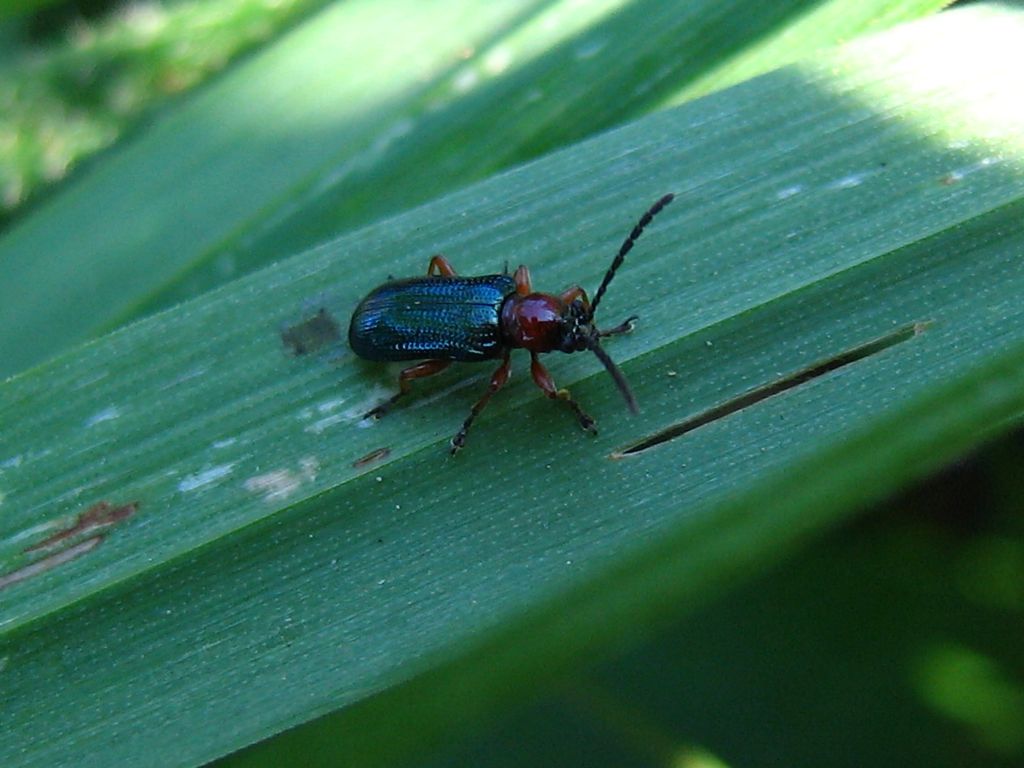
x=12, y=463
x=279, y=484
x=329, y=405
x=848, y=182
x=204, y=478
x=107, y=414
x=375, y=397
x=960, y=173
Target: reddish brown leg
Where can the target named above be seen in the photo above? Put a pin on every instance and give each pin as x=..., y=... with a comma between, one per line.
x=524, y=287
x=544, y=381
x=498, y=379
x=418, y=371
x=439, y=265
x=625, y=327
x=570, y=294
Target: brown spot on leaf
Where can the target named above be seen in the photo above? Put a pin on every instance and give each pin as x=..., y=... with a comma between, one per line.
x=373, y=456
x=101, y=515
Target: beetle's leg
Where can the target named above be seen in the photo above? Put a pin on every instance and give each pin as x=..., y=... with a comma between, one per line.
x=625, y=327
x=418, y=371
x=544, y=381
x=439, y=265
x=524, y=287
x=498, y=379
x=570, y=294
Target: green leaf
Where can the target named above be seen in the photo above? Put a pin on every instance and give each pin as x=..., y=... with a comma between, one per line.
x=269, y=575
x=358, y=114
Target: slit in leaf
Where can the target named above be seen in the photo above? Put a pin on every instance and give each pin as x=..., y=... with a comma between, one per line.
x=776, y=387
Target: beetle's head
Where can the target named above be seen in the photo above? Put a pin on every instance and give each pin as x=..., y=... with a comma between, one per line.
x=578, y=333
x=543, y=322
x=577, y=325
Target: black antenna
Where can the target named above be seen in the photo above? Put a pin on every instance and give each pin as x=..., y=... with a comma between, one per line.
x=616, y=374
x=627, y=246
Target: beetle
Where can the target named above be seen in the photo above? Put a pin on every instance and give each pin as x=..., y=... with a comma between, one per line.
x=444, y=317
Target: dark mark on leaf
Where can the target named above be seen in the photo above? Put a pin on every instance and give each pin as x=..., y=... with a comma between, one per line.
x=99, y=515
x=311, y=334
x=372, y=457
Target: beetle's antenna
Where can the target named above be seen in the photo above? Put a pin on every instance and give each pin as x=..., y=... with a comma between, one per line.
x=620, y=380
x=627, y=246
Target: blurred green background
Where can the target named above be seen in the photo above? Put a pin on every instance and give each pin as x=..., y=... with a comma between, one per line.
x=76, y=77
x=897, y=640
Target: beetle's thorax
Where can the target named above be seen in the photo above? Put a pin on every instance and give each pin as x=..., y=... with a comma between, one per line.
x=541, y=322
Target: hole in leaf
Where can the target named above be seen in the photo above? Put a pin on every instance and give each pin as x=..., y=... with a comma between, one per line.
x=776, y=387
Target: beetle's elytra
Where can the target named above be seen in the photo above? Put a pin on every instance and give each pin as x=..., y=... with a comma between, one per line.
x=445, y=317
